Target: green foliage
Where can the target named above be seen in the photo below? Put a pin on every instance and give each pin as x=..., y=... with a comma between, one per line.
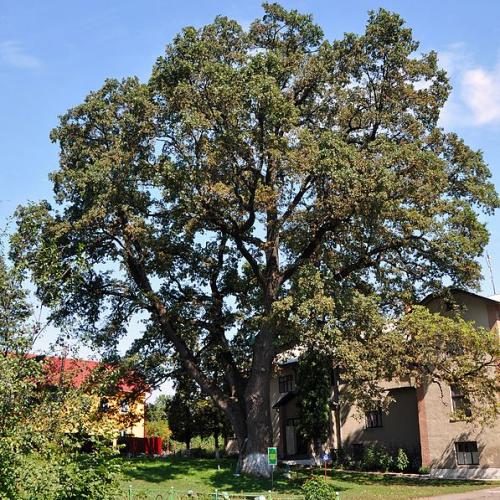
x=424, y=470
x=182, y=414
x=156, y=419
x=376, y=457
x=159, y=428
x=40, y=455
x=192, y=415
x=63, y=472
x=318, y=489
x=157, y=411
x=314, y=392
x=401, y=462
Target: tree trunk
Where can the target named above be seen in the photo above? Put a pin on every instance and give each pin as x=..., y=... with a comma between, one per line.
x=216, y=443
x=258, y=409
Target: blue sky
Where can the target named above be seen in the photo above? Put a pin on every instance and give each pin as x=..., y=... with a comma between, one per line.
x=53, y=53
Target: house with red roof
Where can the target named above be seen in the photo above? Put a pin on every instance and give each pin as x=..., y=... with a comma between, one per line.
x=116, y=399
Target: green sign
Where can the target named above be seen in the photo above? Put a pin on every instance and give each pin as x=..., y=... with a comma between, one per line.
x=272, y=456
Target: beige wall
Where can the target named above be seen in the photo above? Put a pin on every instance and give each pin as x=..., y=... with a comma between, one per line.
x=399, y=426
x=441, y=431
x=275, y=395
x=474, y=309
x=131, y=422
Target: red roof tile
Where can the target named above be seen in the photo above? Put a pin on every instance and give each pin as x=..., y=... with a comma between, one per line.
x=78, y=371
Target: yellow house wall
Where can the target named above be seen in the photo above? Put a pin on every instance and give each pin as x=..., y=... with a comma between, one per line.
x=114, y=422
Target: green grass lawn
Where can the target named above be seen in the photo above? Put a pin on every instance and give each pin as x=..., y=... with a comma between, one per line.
x=152, y=477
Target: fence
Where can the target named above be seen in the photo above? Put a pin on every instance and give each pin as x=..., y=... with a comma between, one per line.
x=173, y=494
x=137, y=445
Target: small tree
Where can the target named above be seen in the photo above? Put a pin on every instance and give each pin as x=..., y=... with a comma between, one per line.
x=183, y=416
x=212, y=422
x=40, y=426
x=314, y=392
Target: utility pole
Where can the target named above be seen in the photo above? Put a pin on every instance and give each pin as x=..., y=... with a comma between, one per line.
x=490, y=267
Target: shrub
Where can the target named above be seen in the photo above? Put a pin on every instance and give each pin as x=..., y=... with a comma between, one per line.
x=318, y=489
x=376, y=458
x=384, y=459
x=424, y=470
x=401, y=461
x=369, y=461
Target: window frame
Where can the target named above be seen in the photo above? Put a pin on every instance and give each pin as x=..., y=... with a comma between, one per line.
x=468, y=455
x=376, y=423
x=285, y=383
x=104, y=405
x=124, y=407
x=459, y=402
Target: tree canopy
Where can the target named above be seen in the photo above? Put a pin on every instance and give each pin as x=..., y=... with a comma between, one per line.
x=259, y=189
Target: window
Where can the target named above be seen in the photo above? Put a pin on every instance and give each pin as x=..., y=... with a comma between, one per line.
x=292, y=422
x=104, y=404
x=459, y=401
x=373, y=419
x=124, y=407
x=467, y=453
x=285, y=383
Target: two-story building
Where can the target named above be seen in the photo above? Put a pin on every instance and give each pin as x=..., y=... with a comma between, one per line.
x=120, y=411
x=419, y=419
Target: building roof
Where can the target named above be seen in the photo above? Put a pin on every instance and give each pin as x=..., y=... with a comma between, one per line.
x=79, y=371
x=453, y=290
x=284, y=399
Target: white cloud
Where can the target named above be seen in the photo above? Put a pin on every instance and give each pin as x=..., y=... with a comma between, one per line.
x=481, y=94
x=13, y=54
x=475, y=99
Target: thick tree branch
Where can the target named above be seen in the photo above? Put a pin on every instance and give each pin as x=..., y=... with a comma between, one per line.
x=158, y=309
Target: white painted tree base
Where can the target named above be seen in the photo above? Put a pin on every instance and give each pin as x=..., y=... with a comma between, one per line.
x=255, y=464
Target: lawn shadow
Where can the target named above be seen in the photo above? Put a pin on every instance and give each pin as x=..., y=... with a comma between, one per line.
x=225, y=479
x=219, y=474
x=158, y=470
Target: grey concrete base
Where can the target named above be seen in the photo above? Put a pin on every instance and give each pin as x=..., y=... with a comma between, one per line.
x=484, y=473
x=304, y=461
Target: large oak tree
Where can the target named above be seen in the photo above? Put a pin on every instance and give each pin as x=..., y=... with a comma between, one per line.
x=266, y=188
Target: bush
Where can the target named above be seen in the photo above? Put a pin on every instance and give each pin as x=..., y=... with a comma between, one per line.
x=424, y=470
x=318, y=489
x=369, y=460
x=376, y=458
x=401, y=461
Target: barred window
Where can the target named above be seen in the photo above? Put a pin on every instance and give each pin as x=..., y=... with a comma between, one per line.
x=285, y=383
x=373, y=419
x=124, y=406
x=467, y=453
x=459, y=401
